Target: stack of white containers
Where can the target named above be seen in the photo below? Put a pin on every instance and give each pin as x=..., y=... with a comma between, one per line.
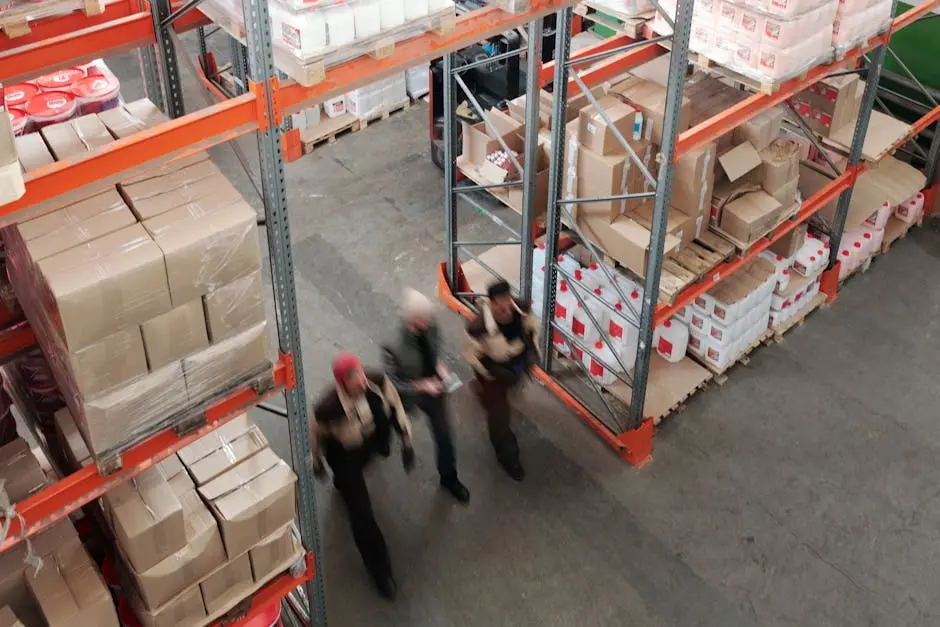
x=857, y=20
x=766, y=40
x=727, y=320
x=797, y=279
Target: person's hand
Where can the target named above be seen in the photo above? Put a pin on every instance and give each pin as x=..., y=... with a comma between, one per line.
x=320, y=471
x=442, y=371
x=431, y=387
x=408, y=458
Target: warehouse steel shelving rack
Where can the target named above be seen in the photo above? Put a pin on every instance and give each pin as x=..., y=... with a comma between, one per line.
x=151, y=28
x=628, y=428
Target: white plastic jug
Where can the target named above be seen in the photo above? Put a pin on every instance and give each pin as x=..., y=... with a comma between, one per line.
x=581, y=326
x=303, y=33
x=594, y=277
x=623, y=331
x=783, y=279
x=565, y=304
x=877, y=238
x=909, y=211
x=392, y=13
x=671, y=340
x=879, y=219
x=845, y=261
x=597, y=362
x=568, y=263
x=368, y=19
x=340, y=26
x=415, y=9
x=538, y=256
x=807, y=260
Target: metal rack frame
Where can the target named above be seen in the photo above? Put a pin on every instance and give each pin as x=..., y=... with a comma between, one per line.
x=263, y=109
x=631, y=434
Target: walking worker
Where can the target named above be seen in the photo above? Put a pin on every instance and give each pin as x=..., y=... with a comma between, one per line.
x=502, y=344
x=354, y=420
x=413, y=364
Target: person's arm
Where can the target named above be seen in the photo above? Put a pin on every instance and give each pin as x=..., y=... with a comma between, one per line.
x=393, y=370
x=473, y=348
x=400, y=418
x=530, y=328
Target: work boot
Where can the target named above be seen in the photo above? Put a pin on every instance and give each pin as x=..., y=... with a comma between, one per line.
x=386, y=586
x=457, y=489
x=514, y=469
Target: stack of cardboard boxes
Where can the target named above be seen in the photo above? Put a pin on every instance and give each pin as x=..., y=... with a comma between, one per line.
x=50, y=581
x=146, y=299
x=830, y=104
x=757, y=176
x=203, y=529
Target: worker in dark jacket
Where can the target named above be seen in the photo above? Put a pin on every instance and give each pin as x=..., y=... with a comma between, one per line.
x=353, y=420
x=414, y=365
x=502, y=344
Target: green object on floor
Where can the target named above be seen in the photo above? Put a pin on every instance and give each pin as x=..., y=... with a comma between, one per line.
x=918, y=46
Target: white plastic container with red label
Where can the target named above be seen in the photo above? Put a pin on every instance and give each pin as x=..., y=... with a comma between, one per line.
x=671, y=340
x=565, y=304
x=16, y=96
x=582, y=328
x=911, y=209
x=601, y=364
x=538, y=256
x=879, y=219
x=594, y=277
x=876, y=237
x=61, y=80
x=698, y=343
x=50, y=107
x=95, y=94
x=699, y=321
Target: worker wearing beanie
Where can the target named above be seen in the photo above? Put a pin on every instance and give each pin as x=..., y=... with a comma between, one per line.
x=353, y=420
x=414, y=366
x=502, y=344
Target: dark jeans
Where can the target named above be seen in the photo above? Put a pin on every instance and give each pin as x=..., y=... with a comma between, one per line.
x=347, y=466
x=436, y=409
x=494, y=396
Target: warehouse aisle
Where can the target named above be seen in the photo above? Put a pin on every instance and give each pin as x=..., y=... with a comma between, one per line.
x=801, y=493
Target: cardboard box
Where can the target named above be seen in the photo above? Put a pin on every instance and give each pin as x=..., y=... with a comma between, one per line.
x=147, y=518
x=478, y=141
x=252, y=500
x=709, y=96
x=9, y=619
x=740, y=161
x=830, y=104
x=124, y=269
x=229, y=445
x=225, y=587
x=694, y=181
x=786, y=193
x=75, y=448
x=235, y=307
x=789, y=244
x=750, y=217
x=650, y=99
x=780, y=164
x=32, y=152
x=20, y=473
x=206, y=245
x=576, y=101
x=146, y=187
x=75, y=137
x=216, y=369
x=214, y=186
x=186, y=610
x=69, y=590
x=611, y=175
x=71, y=215
x=682, y=226
x=624, y=240
x=132, y=117
x=176, y=334
x=72, y=235
x=761, y=130
x=594, y=133
x=268, y=557
x=108, y=363
x=113, y=418
x=202, y=554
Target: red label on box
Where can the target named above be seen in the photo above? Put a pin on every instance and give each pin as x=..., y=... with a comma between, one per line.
x=561, y=311
x=616, y=331
x=597, y=370
x=665, y=346
x=577, y=327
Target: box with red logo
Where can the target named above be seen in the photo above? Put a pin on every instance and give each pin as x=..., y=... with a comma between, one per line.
x=830, y=104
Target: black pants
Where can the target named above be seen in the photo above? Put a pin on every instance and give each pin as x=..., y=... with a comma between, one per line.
x=494, y=397
x=347, y=467
x=436, y=409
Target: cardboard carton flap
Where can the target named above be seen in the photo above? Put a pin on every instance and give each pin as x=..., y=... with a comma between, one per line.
x=206, y=445
x=739, y=161
x=8, y=618
x=241, y=475
x=252, y=497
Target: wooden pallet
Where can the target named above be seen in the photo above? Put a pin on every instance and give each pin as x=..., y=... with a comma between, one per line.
x=896, y=230
x=629, y=25
x=720, y=374
x=331, y=129
x=693, y=262
x=796, y=320
x=15, y=21
x=385, y=114
x=743, y=248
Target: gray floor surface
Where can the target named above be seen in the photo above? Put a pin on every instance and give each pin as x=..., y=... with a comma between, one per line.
x=801, y=493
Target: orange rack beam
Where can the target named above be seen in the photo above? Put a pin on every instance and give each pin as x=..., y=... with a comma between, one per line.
x=74, y=38
x=65, y=496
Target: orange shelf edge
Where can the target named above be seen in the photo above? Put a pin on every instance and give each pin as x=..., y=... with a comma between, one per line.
x=57, y=501
x=635, y=447
x=272, y=593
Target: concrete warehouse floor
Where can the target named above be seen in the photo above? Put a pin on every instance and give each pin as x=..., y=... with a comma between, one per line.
x=801, y=493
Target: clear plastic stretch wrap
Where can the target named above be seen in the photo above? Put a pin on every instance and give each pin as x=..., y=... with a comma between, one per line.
x=858, y=20
x=765, y=42
x=378, y=97
x=146, y=301
x=330, y=32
